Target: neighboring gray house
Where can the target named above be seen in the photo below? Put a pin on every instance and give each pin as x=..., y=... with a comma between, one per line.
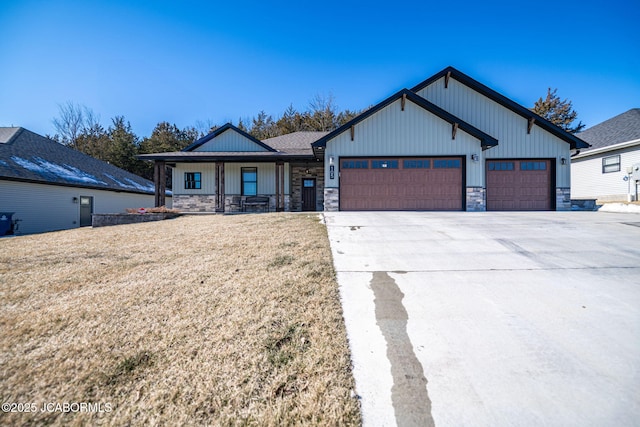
x=52, y=187
x=602, y=171
x=450, y=143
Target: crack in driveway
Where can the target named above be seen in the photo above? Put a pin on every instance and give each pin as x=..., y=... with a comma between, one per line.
x=411, y=402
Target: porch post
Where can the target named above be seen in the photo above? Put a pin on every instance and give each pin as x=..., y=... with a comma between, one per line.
x=219, y=186
x=279, y=186
x=160, y=181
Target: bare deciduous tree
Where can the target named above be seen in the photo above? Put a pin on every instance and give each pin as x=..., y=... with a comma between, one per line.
x=73, y=120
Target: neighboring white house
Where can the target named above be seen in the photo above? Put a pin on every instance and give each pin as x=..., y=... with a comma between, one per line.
x=450, y=143
x=604, y=171
x=47, y=186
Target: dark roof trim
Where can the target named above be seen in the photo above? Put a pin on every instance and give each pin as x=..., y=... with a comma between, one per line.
x=64, y=184
x=573, y=140
x=486, y=140
x=181, y=158
x=225, y=128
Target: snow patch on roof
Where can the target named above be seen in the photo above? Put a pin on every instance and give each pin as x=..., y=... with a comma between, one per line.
x=3, y=163
x=65, y=172
x=148, y=187
x=131, y=184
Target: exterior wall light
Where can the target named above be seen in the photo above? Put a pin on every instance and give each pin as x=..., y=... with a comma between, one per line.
x=563, y=161
x=75, y=200
x=474, y=157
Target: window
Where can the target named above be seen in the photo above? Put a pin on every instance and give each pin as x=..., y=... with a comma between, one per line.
x=192, y=180
x=446, y=164
x=500, y=166
x=533, y=166
x=355, y=164
x=249, y=181
x=611, y=164
x=384, y=164
x=416, y=164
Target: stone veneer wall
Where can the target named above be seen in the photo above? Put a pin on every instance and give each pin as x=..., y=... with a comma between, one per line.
x=298, y=173
x=331, y=199
x=476, y=199
x=194, y=202
x=563, y=199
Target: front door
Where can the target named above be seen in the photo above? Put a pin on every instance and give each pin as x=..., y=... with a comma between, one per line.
x=86, y=209
x=309, y=194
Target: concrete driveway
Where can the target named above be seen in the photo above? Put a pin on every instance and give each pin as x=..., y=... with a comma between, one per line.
x=492, y=319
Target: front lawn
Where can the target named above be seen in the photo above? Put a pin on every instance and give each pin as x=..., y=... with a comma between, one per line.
x=200, y=320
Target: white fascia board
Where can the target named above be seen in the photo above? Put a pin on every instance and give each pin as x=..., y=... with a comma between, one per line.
x=606, y=149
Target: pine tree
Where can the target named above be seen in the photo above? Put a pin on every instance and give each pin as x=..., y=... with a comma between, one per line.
x=557, y=111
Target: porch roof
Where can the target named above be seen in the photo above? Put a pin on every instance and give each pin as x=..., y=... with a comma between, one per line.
x=227, y=156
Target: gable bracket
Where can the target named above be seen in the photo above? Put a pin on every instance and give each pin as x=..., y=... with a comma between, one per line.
x=446, y=79
x=353, y=131
x=454, y=129
x=532, y=120
x=404, y=99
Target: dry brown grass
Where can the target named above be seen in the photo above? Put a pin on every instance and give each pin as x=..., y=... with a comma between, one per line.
x=209, y=320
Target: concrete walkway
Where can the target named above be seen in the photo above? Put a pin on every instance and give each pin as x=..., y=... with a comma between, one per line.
x=493, y=318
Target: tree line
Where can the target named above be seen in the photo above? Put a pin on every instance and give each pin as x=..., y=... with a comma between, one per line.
x=79, y=127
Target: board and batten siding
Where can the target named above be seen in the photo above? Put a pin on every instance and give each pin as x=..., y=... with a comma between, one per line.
x=502, y=123
x=230, y=141
x=266, y=177
x=208, y=177
x=588, y=181
x=412, y=132
x=43, y=207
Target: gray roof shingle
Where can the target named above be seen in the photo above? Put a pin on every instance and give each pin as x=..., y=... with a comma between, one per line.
x=27, y=156
x=624, y=127
x=295, y=143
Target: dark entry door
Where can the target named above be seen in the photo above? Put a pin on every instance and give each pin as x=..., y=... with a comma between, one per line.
x=309, y=194
x=86, y=209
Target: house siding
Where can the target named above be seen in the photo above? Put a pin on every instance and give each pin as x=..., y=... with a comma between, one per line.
x=502, y=123
x=230, y=141
x=266, y=177
x=43, y=207
x=588, y=181
x=208, y=184
x=412, y=132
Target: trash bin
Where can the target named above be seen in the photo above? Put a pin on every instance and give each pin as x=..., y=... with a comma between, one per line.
x=6, y=224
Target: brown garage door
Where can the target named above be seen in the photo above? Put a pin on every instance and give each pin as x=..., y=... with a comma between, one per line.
x=401, y=184
x=519, y=185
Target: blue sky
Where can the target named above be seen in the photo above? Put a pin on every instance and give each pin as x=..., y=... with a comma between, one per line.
x=190, y=61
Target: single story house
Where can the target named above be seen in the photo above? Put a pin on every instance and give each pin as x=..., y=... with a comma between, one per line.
x=47, y=186
x=449, y=143
x=605, y=171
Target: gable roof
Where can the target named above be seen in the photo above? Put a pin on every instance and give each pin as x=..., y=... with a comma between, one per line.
x=622, y=128
x=574, y=141
x=292, y=146
x=223, y=129
x=486, y=141
x=29, y=157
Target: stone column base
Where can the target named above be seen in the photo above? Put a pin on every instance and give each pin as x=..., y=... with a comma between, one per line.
x=476, y=199
x=563, y=199
x=331, y=199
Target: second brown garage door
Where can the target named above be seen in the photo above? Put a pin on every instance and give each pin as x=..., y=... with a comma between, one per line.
x=519, y=185
x=401, y=183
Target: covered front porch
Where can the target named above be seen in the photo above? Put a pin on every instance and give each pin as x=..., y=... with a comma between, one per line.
x=234, y=187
